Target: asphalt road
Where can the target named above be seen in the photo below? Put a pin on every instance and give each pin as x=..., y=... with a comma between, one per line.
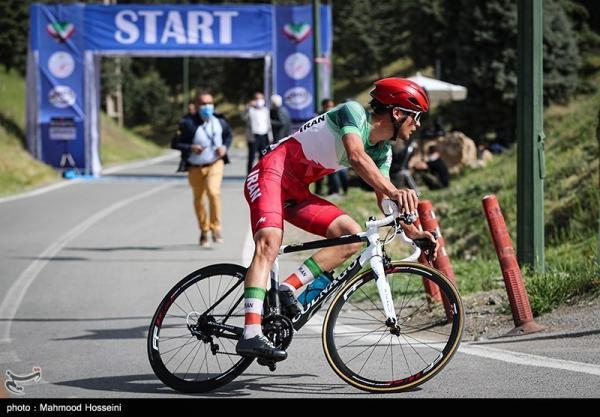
x=83, y=267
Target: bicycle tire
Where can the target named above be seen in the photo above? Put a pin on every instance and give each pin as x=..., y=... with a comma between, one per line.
x=338, y=328
x=159, y=324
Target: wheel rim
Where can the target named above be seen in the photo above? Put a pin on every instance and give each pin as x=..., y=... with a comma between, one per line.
x=184, y=345
x=364, y=351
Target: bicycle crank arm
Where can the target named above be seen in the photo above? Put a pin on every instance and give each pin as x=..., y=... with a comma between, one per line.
x=220, y=330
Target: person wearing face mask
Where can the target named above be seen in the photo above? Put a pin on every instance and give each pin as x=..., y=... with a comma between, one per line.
x=203, y=140
x=258, y=117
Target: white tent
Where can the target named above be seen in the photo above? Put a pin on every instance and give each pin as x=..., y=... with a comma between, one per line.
x=440, y=90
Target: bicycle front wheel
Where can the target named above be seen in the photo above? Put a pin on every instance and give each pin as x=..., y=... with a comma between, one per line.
x=368, y=354
x=192, y=337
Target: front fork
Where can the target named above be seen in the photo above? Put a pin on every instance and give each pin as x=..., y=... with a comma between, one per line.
x=376, y=259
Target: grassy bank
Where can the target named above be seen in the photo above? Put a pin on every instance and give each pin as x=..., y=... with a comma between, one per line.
x=572, y=199
x=119, y=144
x=20, y=171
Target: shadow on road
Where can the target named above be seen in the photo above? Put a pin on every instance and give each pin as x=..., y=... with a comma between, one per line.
x=163, y=248
x=140, y=332
x=246, y=385
x=68, y=319
x=536, y=337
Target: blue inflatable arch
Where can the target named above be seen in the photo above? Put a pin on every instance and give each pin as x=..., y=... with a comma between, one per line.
x=66, y=43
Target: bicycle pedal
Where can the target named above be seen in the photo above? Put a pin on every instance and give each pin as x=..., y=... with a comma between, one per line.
x=270, y=364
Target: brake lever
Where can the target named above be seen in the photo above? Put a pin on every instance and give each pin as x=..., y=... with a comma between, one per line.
x=406, y=218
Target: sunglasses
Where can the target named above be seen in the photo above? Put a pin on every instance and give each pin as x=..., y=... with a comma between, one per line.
x=416, y=115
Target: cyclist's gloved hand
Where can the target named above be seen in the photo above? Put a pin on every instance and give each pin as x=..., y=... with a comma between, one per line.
x=428, y=243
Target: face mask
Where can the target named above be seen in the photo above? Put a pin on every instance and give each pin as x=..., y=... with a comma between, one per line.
x=260, y=102
x=206, y=110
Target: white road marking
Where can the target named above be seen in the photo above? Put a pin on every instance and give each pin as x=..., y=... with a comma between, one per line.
x=316, y=323
x=141, y=164
x=39, y=191
x=14, y=296
x=527, y=359
x=66, y=183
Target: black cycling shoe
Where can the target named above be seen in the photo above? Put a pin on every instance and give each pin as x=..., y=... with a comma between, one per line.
x=290, y=305
x=260, y=347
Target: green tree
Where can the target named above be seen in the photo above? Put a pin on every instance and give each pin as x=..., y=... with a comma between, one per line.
x=14, y=15
x=367, y=36
x=146, y=97
x=477, y=45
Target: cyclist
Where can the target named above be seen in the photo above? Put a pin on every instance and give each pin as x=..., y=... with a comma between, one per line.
x=277, y=189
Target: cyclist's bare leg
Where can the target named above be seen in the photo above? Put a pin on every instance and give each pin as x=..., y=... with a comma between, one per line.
x=330, y=258
x=267, y=242
x=253, y=342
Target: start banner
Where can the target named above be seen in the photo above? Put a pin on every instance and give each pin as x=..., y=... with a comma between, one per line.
x=67, y=41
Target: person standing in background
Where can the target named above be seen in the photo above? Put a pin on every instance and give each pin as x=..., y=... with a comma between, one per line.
x=258, y=118
x=203, y=140
x=434, y=172
x=281, y=122
x=191, y=109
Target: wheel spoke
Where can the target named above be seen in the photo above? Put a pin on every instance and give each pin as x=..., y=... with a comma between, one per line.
x=365, y=311
x=175, y=337
x=200, y=370
x=361, y=352
x=404, y=355
x=180, y=353
x=372, y=350
x=190, y=340
x=420, y=343
x=415, y=350
x=186, y=356
x=374, y=305
x=200, y=292
x=361, y=333
x=367, y=353
x=192, y=361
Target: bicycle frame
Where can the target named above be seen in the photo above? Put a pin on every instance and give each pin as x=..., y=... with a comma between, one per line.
x=373, y=254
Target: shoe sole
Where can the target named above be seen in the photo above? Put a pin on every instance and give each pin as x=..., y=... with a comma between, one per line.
x=259, y=356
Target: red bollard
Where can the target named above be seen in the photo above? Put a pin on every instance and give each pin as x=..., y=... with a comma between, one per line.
x=430, y=223
x=442, y=263
x=430, y=288
x=517, y=294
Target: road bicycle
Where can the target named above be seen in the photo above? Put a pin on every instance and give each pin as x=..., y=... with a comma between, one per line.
x=381, y=332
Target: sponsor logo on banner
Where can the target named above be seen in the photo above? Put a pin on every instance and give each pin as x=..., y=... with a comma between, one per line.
x=297, y=66
x=298, y=98
x=62, y=96
x=61, y=64
x=297, y=32
x=61, y=31
x=62, y=128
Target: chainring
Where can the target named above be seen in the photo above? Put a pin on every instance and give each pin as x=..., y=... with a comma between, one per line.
x=279, y=329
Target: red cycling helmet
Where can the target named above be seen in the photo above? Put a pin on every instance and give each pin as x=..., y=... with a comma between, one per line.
x=400, y=92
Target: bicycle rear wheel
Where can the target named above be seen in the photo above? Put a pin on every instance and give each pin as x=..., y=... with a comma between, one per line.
x=192, y=337
x=364, y=351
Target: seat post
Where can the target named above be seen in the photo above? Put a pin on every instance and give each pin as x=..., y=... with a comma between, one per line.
x=274, y=279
